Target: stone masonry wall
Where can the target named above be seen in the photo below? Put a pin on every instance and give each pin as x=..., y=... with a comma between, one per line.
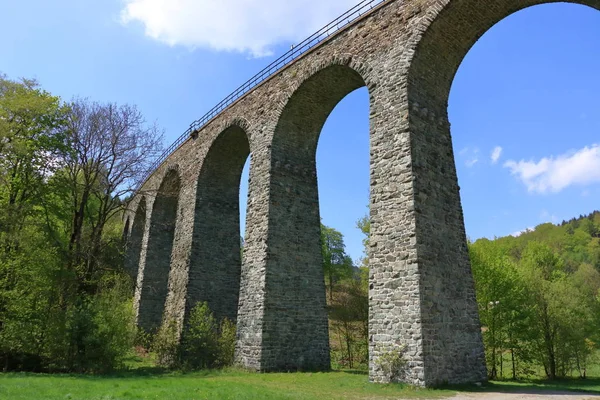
x=134, y=240
x=153, y=288
x=215, y=263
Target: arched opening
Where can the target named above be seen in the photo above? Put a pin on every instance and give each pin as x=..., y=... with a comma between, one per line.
x=134, y=240
x=343, y=169
x=525, y=96
x=526, y=92
x=294, y=277
x=215, y=265
x=154, y=285
x=451, y=336
x=343, y=179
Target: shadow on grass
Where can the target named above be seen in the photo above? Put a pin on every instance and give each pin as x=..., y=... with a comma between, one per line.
x=131, y=373
x=352, y=371
x=589, y=386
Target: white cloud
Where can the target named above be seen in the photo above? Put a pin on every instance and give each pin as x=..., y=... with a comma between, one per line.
x=519, y=233
x=471, y=155
x=245, y=26
x=553, y=174
x=496, y=153
x=472, y=161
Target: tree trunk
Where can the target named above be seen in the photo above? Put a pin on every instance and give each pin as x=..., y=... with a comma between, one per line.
x=78, y=219
x=330, y=284
x=348, y=335
x=514, y=370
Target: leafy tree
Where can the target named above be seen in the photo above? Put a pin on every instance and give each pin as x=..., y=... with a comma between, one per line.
x=64, y=297
x=538, y=298
x=337, y=264
x=364, y=224
x=501, y=301
x=110, y=149
x=31, y=122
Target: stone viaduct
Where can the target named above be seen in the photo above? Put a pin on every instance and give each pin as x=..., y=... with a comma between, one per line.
x=183, y=223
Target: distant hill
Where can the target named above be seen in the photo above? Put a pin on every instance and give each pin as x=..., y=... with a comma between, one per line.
x=577, y=240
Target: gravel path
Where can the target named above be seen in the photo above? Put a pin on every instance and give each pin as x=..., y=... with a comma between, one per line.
x=527, y=395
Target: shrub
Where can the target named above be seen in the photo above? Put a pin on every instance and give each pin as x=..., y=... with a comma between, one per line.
x=101, y=331
x=392, y=363
x=92, y=334
x=203, y=343
x=226, y=343
x=165, y=344
x=200, y=340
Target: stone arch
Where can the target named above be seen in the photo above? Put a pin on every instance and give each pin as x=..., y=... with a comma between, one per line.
x=236, y=122
x=215, y=262
x=134, y=236
x=451, y=351
x=154, y=285
x=303, y=115
x=295, y=325
x=445, y=36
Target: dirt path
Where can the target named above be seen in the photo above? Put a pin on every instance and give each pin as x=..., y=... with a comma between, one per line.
x=527, y=395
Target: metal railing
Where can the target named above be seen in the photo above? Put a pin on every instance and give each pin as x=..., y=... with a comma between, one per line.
x=295, y=52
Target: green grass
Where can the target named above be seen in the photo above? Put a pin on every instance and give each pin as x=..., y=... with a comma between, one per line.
x=152, y=383
x=229, y=384
x=143, y=380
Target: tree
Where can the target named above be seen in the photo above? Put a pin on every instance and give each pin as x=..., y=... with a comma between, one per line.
x=503, y=310
x=336, y=263
x=31, y=122
x=63, y=171
x=364, y=224
x=547, y=284
x=538, y=297
x=110, y=150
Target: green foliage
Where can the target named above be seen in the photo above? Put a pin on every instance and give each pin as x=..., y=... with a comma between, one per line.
x=538, y=298
x=65, y=301
x=392, y=363
x=226, y=342
x=348, y=302
x=200, y=339
x=337, y=265
x=166, y=344
x=203, y=343
x=364, y=224
x=92, y=334
x=99, y=332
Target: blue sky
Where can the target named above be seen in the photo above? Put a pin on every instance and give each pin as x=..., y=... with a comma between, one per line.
x=529, y=89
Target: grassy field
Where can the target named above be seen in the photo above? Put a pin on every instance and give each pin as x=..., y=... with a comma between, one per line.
x=229, y=384
x=143, y=380
x=233, y=384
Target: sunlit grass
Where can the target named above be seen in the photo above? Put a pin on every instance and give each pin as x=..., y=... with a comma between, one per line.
x=143, y=380
x=228, y=384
